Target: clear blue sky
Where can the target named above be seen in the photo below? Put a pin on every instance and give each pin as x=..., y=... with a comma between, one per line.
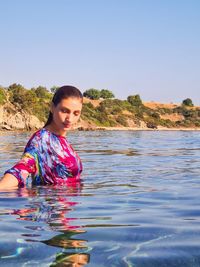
x=149, y=47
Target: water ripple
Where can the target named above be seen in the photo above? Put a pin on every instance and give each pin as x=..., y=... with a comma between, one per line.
x=137, y=204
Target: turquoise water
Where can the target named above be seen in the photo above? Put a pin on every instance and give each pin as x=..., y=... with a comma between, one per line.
x=138, y=204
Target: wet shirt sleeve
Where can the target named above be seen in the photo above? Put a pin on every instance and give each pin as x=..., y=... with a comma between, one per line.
x=27, y=164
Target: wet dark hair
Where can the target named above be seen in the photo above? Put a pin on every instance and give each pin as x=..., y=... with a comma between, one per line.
x=61, y=93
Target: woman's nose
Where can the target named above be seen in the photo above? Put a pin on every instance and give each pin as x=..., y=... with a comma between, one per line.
x=69, y=116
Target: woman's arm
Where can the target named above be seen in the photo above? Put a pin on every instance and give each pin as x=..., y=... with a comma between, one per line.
x=8, y=181
x=17, y=175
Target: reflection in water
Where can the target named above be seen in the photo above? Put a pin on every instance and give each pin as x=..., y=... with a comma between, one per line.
x=66, y=241
x=71, y=260
x=52, y=210
x=139, y=205
x=127, y=152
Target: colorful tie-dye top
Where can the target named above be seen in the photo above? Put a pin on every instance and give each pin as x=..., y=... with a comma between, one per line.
x=49, y=159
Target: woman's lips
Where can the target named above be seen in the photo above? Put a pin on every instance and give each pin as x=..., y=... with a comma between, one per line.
x=67, y=125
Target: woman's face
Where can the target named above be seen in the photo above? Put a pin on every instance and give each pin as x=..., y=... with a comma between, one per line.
x=66, y=114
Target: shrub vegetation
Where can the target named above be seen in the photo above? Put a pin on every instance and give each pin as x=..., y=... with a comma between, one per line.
x=110, y=112
x=2, y=96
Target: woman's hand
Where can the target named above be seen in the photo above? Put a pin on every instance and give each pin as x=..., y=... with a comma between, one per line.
x=8, y=181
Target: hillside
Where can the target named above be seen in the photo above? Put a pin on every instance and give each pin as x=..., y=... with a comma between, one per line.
x=22, y=109
x=150, y=115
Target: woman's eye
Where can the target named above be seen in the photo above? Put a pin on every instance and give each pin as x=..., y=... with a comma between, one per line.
x=64, y=111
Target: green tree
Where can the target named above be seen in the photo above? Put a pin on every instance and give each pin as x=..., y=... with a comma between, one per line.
x=2, y=96
x=134, y=100
x=15, y=86
x=29, y=100
x=41, y=110
x=92, y=93
x=121, y=119
x=105, y=94
x=42, y=92
x=53, y=89
x=17, y=93
x=188, y=102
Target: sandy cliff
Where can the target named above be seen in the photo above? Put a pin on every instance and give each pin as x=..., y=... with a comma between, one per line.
x=16, y=119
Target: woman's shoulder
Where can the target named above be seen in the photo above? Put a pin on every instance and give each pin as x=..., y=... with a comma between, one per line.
x=38, y=137
x=43, y=138
x=39, y=134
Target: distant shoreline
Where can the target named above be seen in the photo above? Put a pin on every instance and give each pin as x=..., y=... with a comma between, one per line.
x=144, y=129
x=113, y=129
x=105, y=114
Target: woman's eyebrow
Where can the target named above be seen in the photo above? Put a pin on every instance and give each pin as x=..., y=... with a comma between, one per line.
x=68, y=110
x=65, y=108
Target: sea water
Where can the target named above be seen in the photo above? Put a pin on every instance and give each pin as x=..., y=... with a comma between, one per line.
x=138, y=204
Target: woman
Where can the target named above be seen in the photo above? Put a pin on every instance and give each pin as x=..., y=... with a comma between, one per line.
x=48, y=157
